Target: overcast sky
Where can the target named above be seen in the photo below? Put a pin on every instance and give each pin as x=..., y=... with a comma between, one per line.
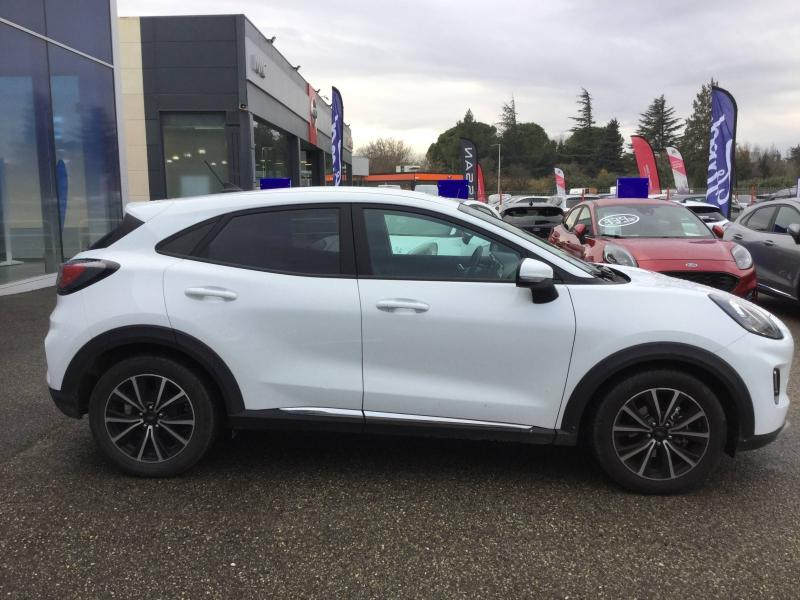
x=411, y=69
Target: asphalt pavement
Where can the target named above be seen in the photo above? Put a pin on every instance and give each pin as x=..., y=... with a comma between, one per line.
x=336, y=516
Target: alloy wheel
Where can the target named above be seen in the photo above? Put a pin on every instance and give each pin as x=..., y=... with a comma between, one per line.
x=661, y=433
x=149, y=418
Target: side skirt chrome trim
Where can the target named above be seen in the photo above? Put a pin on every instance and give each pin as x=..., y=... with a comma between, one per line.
x=373, y=416
x=311, y=411
x=770, y=290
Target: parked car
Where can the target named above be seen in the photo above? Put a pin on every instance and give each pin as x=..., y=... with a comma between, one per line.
x=707, y=213
x=771, y=233
x=659, y=236
x=484, y=208
x=565, y=203
x=526, y=199
x=535, y=217
x=305, y=308
x=495, y=199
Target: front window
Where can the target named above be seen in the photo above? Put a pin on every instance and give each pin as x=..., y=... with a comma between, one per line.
x=665, y=220
x=414, y=246
x=532, y=239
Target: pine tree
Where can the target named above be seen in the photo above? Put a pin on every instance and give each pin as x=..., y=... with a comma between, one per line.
x=510, y=135
x=659, y=125
x=610, y=148
x=694, y=143
x=581, y=147
x=584, y=120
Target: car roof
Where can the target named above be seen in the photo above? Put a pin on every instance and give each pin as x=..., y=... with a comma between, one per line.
x=690, y=203
x=600, y=202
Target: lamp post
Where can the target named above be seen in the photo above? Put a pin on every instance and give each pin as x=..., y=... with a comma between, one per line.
x=499, y=194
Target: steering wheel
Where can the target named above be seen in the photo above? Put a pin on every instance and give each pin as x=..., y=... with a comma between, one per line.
x=474, y=261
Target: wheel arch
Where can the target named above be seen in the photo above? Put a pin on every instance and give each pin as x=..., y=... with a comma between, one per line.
x=718, y=375
x=91, y=361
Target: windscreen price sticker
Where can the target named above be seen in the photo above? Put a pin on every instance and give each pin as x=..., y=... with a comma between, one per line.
x=618, y=220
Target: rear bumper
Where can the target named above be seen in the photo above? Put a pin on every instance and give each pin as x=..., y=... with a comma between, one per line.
x=66, y=403
x=759, y=441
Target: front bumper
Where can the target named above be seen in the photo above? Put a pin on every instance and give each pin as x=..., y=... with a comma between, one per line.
x=66, y=403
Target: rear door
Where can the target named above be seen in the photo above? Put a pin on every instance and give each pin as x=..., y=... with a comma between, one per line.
x=448, y=337
x=273, y=293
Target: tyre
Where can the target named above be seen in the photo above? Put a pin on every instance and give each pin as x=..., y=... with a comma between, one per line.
x=152, y=416
x=659, y=432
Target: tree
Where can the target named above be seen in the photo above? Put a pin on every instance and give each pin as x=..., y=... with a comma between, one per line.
x=694, y=143
x=385, y=154
x=511, y=135
x=581, y=147
x=444, y=154
x=610, y=148
x=659, y=125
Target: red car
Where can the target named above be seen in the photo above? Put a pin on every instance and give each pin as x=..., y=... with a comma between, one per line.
x=657, y=235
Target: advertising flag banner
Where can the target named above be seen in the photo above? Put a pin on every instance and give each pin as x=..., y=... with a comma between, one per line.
x=646, y=161
x=722, y=141
x=469, y=161
x=678, y=169
x=337, y=132
x=561, y=183
x=481, y=184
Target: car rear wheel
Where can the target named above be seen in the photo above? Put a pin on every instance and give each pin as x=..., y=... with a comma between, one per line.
x=659, y=432
x=152, y=416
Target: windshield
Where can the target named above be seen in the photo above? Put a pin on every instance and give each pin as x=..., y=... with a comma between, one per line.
x=649, y=221
x=540, y=243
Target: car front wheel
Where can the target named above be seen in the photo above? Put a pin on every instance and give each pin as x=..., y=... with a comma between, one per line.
x=152, y=416
x=659, y=432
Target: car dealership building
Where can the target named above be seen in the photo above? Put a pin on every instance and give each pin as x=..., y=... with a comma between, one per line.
x=212, y=100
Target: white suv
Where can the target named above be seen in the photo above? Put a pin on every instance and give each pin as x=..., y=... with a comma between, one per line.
x=369, y=309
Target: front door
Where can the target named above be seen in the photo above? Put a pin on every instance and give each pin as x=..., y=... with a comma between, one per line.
x=448, y=337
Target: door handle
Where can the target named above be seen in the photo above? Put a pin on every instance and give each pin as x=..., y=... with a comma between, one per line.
x=769, y=243
x=402, y=304
x=210, y=292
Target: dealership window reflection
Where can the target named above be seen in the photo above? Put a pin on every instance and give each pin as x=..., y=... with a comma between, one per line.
x=195, y=148
x=271, y=151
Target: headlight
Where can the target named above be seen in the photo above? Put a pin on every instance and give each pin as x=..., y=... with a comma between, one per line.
x=742, y=257
x=748, y=315
x=617, y=255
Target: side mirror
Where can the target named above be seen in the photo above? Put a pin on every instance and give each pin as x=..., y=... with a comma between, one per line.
x=538, y=277
x=794, y=231
x=718, y=231
x=580, y=231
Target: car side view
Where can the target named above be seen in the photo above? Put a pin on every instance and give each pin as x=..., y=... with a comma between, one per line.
x=363, y=309
x=771, y=233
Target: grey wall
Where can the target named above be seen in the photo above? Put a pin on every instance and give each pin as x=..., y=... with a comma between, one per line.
x=192, y=63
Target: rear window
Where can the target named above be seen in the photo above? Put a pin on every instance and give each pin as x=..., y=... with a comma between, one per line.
x=185, y=242
x=533, y=211
x=128, y=224
x=707, y=214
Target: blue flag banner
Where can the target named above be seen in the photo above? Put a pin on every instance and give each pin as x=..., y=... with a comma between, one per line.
x=722, y=142
x=337, y=135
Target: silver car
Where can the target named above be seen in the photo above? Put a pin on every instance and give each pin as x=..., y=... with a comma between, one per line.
x=771, y=232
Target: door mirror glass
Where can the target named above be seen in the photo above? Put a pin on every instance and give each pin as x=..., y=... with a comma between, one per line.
x=537, y=276
x=794, y=231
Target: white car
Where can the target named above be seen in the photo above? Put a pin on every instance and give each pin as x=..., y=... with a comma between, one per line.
x=364, y=308
x=484, y=207
x=565, y=203
x=707, y=213
x=527, y=199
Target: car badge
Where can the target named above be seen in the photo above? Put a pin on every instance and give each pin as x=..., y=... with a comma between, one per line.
x=692, y=265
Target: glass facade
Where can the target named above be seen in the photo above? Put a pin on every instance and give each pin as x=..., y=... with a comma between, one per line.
x=59, y=157
x=271, y=148
x=195, y=153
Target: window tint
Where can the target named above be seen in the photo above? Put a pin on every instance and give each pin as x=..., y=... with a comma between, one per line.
x=304, y=241
x=183, y=243
x=129, y=223
x=759, y=219
x=786, y=216
x=571, y=218
x=414, y=246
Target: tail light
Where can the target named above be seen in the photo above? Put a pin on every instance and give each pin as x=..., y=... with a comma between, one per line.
x=78, y=274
